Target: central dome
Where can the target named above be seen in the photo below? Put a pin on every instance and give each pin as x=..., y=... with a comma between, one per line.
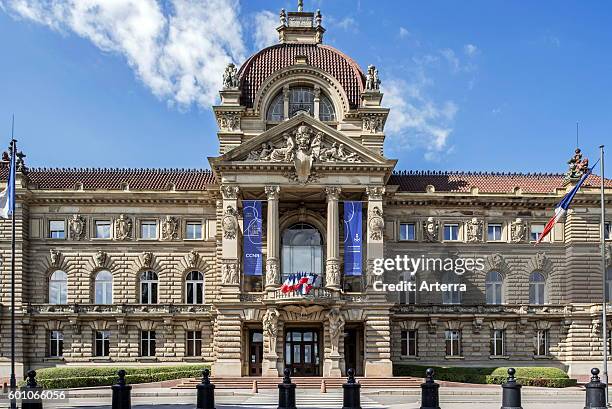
x=277, y=57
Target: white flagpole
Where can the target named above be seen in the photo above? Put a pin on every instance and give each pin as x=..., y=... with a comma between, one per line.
x=603, y=270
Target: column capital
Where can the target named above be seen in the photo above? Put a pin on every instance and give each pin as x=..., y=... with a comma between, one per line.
x=333, y=192
x=272, y=191
x=230, y=192
x=375, y=192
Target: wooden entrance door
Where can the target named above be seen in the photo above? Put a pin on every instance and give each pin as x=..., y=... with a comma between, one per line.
x=302, y=352
x=354, y=349
x=255, y=351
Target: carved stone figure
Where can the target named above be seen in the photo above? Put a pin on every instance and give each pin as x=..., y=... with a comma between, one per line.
x=100, y=258
x=375, y=192
x=229, y=273
x=518, y=230
x=431, y=229
x=336, y=328
x=55, y=257
x=318, y=18
x=540, y=260
x=229, y=223
x=272, y=276
x=577, y=166
x=474, y=230
x=376, y=223
x=332, y=274
x=77, y=227
x=372, y=123
x=170, y=227
x=229, y=121
x=230, y=77
x=123, y=228
x=283, y=17
x=496, y=260
x=229, y=192
x=147, y=259
x=270, y=328
x=372, y=80
x=192, y=258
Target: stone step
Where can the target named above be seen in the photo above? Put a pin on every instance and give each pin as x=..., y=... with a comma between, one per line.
x=303, y=383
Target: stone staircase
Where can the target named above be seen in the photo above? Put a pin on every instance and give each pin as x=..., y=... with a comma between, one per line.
x=397, y=382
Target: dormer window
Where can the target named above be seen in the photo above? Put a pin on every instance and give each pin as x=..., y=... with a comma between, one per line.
x=301, y=99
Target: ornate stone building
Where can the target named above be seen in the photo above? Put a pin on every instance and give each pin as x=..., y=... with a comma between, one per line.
x=145, y=266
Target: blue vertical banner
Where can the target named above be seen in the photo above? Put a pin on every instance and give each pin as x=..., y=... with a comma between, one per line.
x=352, y=238
x=253, y=257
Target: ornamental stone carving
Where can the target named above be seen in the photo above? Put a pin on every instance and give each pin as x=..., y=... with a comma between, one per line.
x=609, y=255
x=372, y=80
x=518, y=230
x=272, y=275
x=496, y=260
x=272, y=192
x=540, y=260
x=228, y=121
x=376, y=223
x=336, y=328
x=333, y=192
x=123, y=228
x=77, y=227
x=147, y=259
x=229, y=223
x=230, y=77
x=229, y=272
x=332, y=274
x=193, y=258
x=431, y=228
x=375, y=192
x=474, y=230
x=270, y=328
x=373, y=123
x=100, y=259
x=577, y=166
x=229, y=192
x=170, y=227
x=55, y=257
x=283, y=17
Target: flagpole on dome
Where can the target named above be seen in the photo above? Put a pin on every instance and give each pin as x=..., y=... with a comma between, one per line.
x=603, y=269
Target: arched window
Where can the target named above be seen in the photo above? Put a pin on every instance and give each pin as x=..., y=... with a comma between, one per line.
x=302, y=250
x=194, y=288
x=103, y=288
x=301, y=99
x=608, y=284
x=493, y=287
x=537, y=288
x=58, y=287
x=148, y=287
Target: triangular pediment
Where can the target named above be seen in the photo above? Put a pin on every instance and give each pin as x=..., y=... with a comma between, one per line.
x=303, y=137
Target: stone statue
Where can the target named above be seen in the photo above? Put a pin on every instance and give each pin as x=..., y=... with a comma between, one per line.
x=230, y=223
x=577, y=166
x=193, y=258
x=283, y=17
x=100, y=259
x=147, y=259
x=229, y=273
x=372, y=80
x=431, y=229
x=318, y=18
x=270, y=328
x=474, y=230
x=272, y=277
x=123, y=228
x=332, y=274
x=230, y=77
x=55, y=257
x=170, y=227
x=376, y=223
x=336, y=328
x=518, y=230
x=77, y=227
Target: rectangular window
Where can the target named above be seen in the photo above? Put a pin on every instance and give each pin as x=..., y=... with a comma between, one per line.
x=494, y=232
x=56, y=344
x=497, y=342
x=103, y=229
x=409, y=343
x=57, y=229
x=193, y=231
x=453, y=342
x=608, y=230
x=102, y=343
x=148, y=229
x=147, y=343
x=407, y=232
x=451, y=232
x=194, y=343
x=536, y=231
x=542, y=343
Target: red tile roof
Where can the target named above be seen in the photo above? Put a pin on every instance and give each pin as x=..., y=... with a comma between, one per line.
x=114, y=179
x=269, y=60
x=463, y=182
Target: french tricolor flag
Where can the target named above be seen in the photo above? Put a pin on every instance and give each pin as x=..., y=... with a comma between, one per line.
x=561, y=209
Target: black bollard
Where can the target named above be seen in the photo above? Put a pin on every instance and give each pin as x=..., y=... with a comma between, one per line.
x=286, y=392
x=595, y=392
x=206, y=392
x=122, y=393
x=30, y=391
x=429, y=392
x=352, y=390
x=511, y=392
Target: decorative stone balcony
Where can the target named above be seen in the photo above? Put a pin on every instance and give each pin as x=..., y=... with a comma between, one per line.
x=315, y=296
x=505, y=309
x=95, y=310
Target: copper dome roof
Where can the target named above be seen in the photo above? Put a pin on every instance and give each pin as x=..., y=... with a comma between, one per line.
x=271, y=59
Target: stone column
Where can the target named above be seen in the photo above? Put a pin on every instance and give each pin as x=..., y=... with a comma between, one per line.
x=332, y=263
x=317, y=101
x=272, y=239
x=230, y=261
x=375, y=232
x=286, y=95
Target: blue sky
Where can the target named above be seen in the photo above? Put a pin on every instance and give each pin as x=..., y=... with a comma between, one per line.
x=477, y=85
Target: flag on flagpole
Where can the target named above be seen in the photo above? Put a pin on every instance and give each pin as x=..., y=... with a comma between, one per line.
x=7, y=197
x=563, y=205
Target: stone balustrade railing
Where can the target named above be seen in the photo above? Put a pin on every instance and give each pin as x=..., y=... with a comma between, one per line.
x=316, y=294
x=486, y=309
x=96, y=309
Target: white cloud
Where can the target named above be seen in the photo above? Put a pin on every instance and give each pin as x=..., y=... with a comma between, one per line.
x=470, y=50
x=179, y=50
x=415, y=121
x=403, y=33
x=347, y=23
x=265, y=29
